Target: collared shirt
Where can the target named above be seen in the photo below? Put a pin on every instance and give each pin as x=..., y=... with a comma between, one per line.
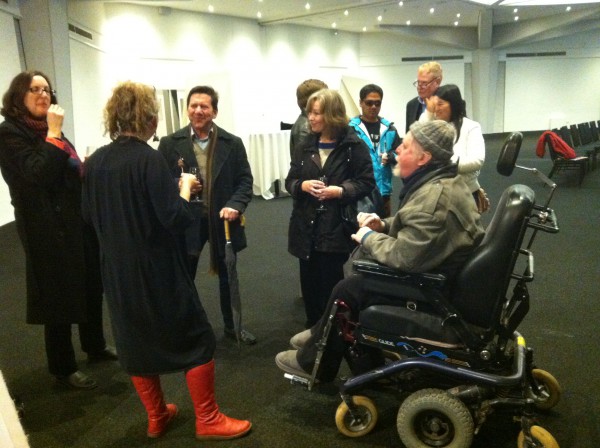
x=201, y=142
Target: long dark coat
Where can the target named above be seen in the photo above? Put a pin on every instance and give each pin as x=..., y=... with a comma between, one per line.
x=348, y=166
x=231, y=179
x=60, y=251
x=159, y=324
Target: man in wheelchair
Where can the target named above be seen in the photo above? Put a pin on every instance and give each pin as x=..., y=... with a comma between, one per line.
x=434, y=230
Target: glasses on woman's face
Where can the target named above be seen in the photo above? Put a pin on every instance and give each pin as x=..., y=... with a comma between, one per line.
x=423, y=85
x=37, y=90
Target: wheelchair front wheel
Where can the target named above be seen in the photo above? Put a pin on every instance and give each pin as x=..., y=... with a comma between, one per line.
x=549, y=388
x=434, y=418
x=541, y=436
x=362, y=422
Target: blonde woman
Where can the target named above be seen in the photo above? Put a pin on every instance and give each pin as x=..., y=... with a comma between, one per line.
x=140, y=216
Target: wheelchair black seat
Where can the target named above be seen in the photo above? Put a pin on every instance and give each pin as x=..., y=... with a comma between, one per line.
x=479, y=290
x=407, y=323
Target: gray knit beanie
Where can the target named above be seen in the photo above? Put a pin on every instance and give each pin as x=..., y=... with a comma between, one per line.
x=436, y=137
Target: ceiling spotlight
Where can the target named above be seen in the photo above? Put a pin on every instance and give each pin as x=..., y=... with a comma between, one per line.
x=408, y=22
x=259, y=14
x=431, y=10
x=516, y=10
x=401, y=4
x=458, y=15
x=516, y=18
x=568, y=8
x=456, y=23
x=307, y=6
x=364, y=28
x=211, y=8
x=346, y=12
x=379, y=18
x=334, y=25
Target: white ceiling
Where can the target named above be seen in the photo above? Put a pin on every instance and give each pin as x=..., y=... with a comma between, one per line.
x=446, y=16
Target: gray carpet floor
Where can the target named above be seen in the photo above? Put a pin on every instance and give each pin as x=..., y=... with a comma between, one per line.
x=561, y=326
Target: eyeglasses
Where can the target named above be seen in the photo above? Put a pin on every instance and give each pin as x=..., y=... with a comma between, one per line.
x=371, y=103
x=424, y=85
x=39, y=90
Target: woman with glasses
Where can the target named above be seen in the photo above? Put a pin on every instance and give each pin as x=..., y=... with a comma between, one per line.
x=469, y=148
x=44, y=177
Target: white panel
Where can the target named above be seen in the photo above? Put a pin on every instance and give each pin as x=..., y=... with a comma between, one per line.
x=541, y=91
x=11, y=66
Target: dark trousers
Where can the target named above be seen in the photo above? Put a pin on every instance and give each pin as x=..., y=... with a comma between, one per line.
x=318, y=276
x=224, y=293
x=352, y=292
x=59, y=346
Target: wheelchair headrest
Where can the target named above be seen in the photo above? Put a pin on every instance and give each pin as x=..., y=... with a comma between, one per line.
x=482, y=282
x=509, y=153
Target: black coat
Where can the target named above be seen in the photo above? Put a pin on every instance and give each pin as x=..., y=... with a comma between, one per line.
x=348, y=166
x=60, y=251
x=158, y=322
x=413, y=111
x=231, y=179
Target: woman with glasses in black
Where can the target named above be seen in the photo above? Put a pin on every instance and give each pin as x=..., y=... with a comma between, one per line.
x=44, y=177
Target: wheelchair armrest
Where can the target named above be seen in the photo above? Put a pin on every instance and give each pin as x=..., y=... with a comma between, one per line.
x=372, y=268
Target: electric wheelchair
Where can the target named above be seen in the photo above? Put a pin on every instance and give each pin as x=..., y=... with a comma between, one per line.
x=457, y=356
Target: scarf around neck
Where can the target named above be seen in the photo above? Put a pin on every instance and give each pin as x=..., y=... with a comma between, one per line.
x=40, y=127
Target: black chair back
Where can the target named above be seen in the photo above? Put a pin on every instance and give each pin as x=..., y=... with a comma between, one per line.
x=575, y=137
x=565, y=134
x=482, y=284
x=594, y=128
x=585, y=133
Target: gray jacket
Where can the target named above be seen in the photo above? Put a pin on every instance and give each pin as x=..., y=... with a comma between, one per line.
x=436, y=225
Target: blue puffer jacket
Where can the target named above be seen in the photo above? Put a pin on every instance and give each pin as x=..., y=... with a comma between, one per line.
x=388, y=142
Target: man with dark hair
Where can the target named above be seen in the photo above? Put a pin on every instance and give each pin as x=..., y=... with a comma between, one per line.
x=381, y=137
x=226, y=189
x=429, y=78
x=435, y=229
x=300, y=129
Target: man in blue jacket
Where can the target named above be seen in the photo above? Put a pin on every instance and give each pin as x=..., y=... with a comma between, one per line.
x=381, y=137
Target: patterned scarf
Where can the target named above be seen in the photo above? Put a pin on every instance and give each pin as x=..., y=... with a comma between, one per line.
x=40, y=127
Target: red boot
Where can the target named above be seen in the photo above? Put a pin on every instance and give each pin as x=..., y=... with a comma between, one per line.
x=159, y=414
x=210, y=423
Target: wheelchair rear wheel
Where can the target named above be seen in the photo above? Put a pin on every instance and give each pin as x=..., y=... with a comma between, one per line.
x=434, y=418
x=550, y=390
x=541, y=435
x=362, y=422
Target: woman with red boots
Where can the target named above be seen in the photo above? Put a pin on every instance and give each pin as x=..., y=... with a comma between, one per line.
x=159, y=324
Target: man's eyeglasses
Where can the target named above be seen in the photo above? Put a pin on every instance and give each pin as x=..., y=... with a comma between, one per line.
x=423, y=85
x=371, y=103
x=40, y=90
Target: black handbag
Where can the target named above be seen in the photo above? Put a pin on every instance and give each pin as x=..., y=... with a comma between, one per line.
x=371, y=203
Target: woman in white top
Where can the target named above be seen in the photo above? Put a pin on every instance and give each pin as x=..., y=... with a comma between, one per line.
x=469, y=148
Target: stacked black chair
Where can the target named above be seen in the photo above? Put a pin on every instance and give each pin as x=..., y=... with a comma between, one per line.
x=579, y=164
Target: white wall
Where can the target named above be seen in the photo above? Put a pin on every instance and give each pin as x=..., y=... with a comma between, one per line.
x=10, y=66
x=256, y=70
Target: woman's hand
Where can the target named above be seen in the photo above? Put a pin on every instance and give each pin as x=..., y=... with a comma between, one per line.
x=320, y=191
x=431, y=102
x=187, y=184
x=55, y=118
